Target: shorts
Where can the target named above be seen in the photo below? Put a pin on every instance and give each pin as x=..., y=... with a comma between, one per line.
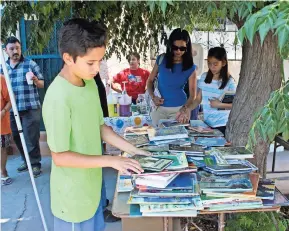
x=5, y=140
x=96, y=223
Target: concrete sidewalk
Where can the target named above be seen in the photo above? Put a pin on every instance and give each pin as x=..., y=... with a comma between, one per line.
x=20, y=211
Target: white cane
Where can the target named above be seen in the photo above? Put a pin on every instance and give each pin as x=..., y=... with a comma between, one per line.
x=19, y=126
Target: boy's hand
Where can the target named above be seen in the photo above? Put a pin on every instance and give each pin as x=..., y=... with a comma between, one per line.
x=125, y=165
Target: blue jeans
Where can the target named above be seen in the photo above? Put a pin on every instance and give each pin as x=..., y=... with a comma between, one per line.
x=96, y=223
x=103, y=194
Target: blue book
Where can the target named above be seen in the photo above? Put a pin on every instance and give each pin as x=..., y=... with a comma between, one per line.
x=211, y=141
x=160, y=200
x=198, y=123
x=134, y=211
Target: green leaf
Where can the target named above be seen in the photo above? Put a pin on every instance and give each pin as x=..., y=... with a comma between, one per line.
x=241, y=34
x=263, y=30
x=163, y=7
x=252, y=135
x=285, y=135
x=152, y=6
x=283, y=36
x=250, y=26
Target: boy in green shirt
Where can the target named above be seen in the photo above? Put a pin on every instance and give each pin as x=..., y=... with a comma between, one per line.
x=75, y=127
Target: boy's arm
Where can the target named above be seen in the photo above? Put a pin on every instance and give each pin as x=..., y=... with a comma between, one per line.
x=76, y=160
x=110, y=137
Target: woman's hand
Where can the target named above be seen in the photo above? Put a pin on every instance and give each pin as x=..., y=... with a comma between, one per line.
x=183, y=115
x=215, y=103
x=157, y=101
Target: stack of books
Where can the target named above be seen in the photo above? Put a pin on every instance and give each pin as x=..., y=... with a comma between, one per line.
x=177, y=195
x=192, y=170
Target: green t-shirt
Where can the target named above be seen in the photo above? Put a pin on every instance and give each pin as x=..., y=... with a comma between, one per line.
x=72, y=116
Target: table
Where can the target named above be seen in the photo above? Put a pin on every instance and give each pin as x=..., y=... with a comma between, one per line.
x=119, y=124
x=278, y=141
x=138, y=223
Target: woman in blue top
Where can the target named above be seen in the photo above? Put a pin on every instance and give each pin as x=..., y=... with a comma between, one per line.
x=174, y=69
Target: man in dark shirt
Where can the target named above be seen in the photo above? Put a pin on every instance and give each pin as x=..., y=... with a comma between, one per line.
x=108, y=217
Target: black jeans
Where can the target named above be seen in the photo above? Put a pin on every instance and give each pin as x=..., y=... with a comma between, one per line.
x=30, y=121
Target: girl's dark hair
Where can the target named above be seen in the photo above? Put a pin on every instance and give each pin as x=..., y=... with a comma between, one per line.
x=220, y=54
x=78, y=35
x=179, y=34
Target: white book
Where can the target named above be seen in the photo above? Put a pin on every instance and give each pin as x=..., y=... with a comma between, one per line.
x=157, y=181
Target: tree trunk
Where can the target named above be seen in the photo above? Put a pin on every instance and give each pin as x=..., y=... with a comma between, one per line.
x=260, y=75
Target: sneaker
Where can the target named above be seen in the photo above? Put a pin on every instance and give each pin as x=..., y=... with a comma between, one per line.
x=6, y=180
x=36, y=171
x=23, y=168
x=109, y=217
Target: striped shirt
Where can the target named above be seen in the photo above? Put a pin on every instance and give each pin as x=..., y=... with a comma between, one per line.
x=26, y=96
x=212, y=116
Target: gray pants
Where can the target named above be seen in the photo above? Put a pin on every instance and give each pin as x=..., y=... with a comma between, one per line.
x=30, y=121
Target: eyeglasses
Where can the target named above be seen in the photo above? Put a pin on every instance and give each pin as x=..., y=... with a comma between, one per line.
x=175, y=48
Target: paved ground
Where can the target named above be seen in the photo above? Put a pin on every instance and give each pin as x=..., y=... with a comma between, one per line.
x=19, y=208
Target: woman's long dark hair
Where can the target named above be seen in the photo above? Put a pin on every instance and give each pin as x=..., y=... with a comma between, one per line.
x=179, y=34
x=220, y=54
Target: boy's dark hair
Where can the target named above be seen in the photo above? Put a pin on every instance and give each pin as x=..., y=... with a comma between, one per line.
x=135, y=54
x=179, y=34
x=78, y=35
x=12, y=39
x=220, y=54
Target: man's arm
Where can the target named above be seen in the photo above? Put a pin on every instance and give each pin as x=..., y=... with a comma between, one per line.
x=38, y=78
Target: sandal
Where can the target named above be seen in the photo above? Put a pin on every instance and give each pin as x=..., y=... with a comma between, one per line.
x=6, y=180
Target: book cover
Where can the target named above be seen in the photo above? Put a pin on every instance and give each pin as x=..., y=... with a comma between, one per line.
x=165, y=171
x=167, y=193
x=201, y=130
x=254, y=178
x=196, y=205
x=198, y=123
x=171, y=123
x=167, y=133
x=156, y=148
x=237, y=185
x=185, y=180
x=191, y=149
x=136, y=131
x=279, y=200
x=158, y=181
x=124, y=184
x=181, y=213
x=211, y=141
x=227, y=97
x=266, y=189
x=233, y=152
x=196, y=161
x=214, y=133
x=138, y=141
x=152, y=163
x=160, y=200
x=179, y=160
